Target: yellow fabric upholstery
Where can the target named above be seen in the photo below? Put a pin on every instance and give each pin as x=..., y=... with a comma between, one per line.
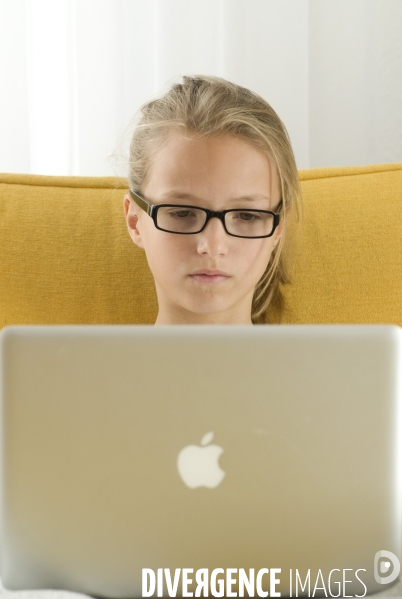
x=67, y=258
x=349, y=267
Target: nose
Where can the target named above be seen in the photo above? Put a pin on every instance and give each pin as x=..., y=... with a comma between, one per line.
x=213, y=239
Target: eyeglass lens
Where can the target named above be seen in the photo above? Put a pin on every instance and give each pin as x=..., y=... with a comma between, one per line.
x=247, y=223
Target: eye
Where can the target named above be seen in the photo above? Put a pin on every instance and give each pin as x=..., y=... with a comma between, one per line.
x=248, y=216
x=183, y=213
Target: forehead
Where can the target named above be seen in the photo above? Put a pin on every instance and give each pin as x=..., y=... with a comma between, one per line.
x=224, y=165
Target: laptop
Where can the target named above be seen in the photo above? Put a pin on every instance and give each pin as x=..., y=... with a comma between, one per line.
x=214, y=460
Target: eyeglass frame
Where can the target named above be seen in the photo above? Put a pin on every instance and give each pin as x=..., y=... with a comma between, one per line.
x=152, y=211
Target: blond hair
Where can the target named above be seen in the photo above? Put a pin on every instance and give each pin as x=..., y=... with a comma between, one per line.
x=207, y=106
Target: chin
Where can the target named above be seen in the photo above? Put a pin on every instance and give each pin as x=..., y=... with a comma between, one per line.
x=201, y=309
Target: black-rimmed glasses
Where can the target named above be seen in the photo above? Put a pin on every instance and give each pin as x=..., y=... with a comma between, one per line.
x=188, y=220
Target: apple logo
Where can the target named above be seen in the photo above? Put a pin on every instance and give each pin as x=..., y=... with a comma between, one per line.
x=198, y=466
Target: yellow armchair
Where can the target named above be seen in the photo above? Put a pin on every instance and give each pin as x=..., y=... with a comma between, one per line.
x=66, y=257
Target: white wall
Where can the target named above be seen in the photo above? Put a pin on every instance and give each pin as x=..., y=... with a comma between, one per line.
x=73, y=73
x=14, y=105
x=355, y=92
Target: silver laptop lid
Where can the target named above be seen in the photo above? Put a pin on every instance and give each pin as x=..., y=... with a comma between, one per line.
x=202, y=447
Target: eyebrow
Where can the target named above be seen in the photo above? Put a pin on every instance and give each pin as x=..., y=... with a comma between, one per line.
x=184, y=196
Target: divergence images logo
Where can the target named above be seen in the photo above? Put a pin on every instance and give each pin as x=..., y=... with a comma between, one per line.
x=383, y=567
x=198, y=466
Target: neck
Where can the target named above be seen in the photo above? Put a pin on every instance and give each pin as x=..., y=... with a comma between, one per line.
x=201, y=319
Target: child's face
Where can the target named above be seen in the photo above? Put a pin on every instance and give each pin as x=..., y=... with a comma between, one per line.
x=214, y=173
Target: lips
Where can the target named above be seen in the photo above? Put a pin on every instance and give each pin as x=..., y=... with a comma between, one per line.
x=211, y=279
x=210, y=273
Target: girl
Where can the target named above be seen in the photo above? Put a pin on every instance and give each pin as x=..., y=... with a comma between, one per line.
x=213, y=181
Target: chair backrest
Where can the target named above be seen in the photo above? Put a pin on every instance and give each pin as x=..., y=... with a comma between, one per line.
x=349, y=265
x=67, y=258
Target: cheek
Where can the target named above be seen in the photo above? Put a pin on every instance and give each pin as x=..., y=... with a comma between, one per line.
x=172, y=256
x=165, y=254
x=254, y=256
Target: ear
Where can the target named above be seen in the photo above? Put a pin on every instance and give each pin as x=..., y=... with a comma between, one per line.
x=131, y=213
